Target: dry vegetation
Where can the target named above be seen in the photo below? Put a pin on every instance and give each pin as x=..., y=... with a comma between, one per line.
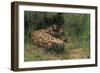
x=34, y=53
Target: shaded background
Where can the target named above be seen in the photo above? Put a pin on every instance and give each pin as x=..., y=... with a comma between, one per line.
x=76, y=29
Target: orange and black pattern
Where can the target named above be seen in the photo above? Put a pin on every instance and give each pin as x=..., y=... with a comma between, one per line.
x=49, y=38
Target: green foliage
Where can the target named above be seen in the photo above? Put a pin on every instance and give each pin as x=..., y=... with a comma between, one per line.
x=76, y=29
